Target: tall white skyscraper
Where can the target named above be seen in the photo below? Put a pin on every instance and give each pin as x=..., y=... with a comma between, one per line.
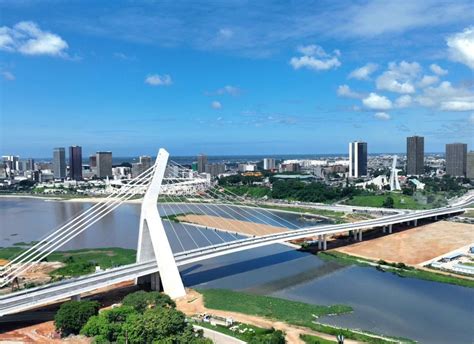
x=357, y=159
x=269, y=164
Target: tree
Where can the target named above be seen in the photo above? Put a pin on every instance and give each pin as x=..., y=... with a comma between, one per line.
x=276, y=337
x=108, y=325
x=72, y=315
x=142, y=300
x=389, y=202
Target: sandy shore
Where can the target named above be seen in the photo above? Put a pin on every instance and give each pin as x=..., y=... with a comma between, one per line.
x=243, y=227
x=416, y=245
x=74, y=200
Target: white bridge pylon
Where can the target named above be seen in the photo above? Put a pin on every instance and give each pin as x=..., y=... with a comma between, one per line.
x=153, y=242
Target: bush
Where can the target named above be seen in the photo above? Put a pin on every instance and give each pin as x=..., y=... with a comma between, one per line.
x=142, y=300
x=276, y=337
x=108, y=324
x=72, y=316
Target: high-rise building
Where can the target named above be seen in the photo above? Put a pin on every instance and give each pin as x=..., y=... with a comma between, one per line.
x=456, y=154
x=59, y=163
x=202, y=162
x=104, y=164
x=93, y=161
x=214, y=169
x=143, y=164
x=269, y=164
x=470, y=165
x=75, y=162
x=415, y=155
x=357, y=159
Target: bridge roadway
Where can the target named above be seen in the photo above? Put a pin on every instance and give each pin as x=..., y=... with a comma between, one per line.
x=54, y=292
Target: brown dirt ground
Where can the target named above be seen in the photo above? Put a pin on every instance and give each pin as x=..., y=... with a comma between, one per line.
x=244, y=227
x=416, y=245
x=193, y=304
x=3, y=262
x=43, y=333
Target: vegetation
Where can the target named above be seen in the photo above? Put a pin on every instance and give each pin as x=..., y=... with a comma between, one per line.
x=387, y=200
x=250, y=191
x=291, y=312
x=336, y=216
x=309, y=339
x=72, y=315
x=144, y=318
x=399, y=269
x=248, y=333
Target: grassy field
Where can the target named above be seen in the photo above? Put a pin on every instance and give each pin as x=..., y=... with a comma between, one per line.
x=244, y=332
x=397, y=268
x=80, y=262
x=336, y=216
x=308, y=339
x=251, y=191
x=291, y=312
x=400, y=201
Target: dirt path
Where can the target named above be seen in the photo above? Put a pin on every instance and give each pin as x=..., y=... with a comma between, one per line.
x=416, y=245
x=193, y=304
x=43, y=333
x=231, y=225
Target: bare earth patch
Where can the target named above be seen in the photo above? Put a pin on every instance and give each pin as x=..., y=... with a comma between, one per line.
x=230, y=225
x=416, y=245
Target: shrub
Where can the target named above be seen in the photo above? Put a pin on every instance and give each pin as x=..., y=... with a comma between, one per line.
x=72, y=316
x=142, y=300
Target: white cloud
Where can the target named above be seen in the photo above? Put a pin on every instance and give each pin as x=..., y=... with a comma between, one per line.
x=216, y=105
x=376, y=102
x=27, y=38
x=471, y=118
x=457, y=105
x=228, y=89
x=345, y=91
x=403, y=101
x=315, y=58
x=226, y=33
x=382, y=116
x=428, y=80
x=461, y=47
x=438, y=70
x=158, y=80
x=447, y=98
x=399, y=77
x=363, y=73
x=8, y=76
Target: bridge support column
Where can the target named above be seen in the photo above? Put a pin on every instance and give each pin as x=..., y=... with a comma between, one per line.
x=360, y=234
x=325, y=244
x=384, y=229
x=76, y=297
x=153, y=243
x=320, y=241
x=415, y=222
x=436, y=217
x=390, y=229
x=355, y=235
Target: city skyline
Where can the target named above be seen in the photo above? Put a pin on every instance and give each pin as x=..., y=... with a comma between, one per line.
x=306, y=81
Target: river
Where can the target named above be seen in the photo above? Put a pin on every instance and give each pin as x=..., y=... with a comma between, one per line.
x=429, y=312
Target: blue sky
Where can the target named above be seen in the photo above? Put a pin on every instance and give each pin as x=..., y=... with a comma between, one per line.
x=234, y=77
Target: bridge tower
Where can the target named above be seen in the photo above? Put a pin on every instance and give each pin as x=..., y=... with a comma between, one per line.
x=153, y=243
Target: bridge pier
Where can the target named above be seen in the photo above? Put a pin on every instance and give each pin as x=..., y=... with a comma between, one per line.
x=325, y=244
x=390, y=229
x=355, y=234
x=415, y=222
x=320, y=239
x=151, y=282
x=76, y=297
x=360, y=234
x=384, y=229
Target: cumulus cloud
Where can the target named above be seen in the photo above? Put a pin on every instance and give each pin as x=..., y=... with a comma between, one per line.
x=345, y=91
x=228, y=89
x=461, y=47
x=8, y=76
x=403, y=101
x=457, y=105
x=438, y=70
x=158, y=80
x=315, y=58
x=376, y=102
x=428, y=80
x=363, y=73
x=216, y=105
x=399, y=77
x=447, y=98
x=27, y=38
x=382, y=116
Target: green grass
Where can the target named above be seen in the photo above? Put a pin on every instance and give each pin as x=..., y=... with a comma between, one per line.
x=252, y=191
x=247, y=336
x=310, y=339
x=399, y=269
x=400, y=201
x=291, y=312
x=468, y=214
x=80, y=262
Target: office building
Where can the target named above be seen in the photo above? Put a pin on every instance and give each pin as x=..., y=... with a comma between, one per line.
x=456, y=154
x=415, y=155
x=104, y=164
x=202, y=162
x=214, y=169
x=59, y=163
x=269, y=164
x=143, y=164
x=357, y=159
x=75, y=163
x=470, y=165
x=93, y=162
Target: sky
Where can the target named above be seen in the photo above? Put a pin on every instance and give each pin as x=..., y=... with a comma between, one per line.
x=234, y=77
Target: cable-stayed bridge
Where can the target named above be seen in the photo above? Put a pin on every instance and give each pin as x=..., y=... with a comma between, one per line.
x=227, y=222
